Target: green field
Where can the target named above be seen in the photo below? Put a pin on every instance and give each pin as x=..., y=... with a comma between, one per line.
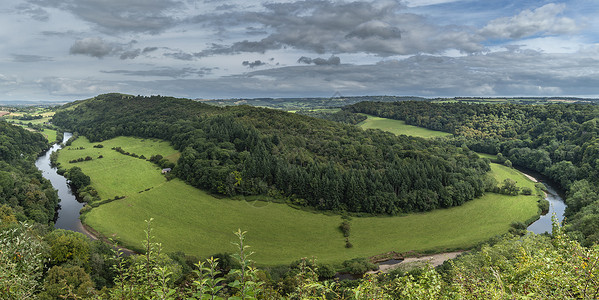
x=190, y=220
x=116, y=174
x=399, y=127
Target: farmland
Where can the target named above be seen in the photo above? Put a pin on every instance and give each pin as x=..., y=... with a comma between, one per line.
x=190, y=220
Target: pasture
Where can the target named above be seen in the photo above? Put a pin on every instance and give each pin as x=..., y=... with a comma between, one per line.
x=190, y=220
x=399, y=127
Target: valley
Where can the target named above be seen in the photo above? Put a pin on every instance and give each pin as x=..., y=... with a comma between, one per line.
x=190, y=220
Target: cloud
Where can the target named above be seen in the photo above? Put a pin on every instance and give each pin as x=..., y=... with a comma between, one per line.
x=381, y=28
x=131, y=54
x=30, y=58
x=240, y=47
x=99, y=48
x=77, y=87
x=113, y=16
x=226, y=7
x=254, y=64
x=180, y=56
x=149, y=49
x=505, y=73
x=375, y=29
x=163, y=72
x=512, y=72
x=543, y=20
x=95, y=47
x=34, y=12
x=333, y=60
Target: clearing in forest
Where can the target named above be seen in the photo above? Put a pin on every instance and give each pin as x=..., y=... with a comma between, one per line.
x=399, y=127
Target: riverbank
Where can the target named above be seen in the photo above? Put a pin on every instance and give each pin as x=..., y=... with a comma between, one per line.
x=94, y=235
x=433, y=260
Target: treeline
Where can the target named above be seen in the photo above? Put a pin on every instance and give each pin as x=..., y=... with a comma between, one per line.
x=67, y=265
x=22, y=187
x=323, y=164
x=560, y=141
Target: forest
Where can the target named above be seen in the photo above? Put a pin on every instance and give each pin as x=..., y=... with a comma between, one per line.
x=24, y=193
x=560, y=141
x=311, y=162
x=237, y=143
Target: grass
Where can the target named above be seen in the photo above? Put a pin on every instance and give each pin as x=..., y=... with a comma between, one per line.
x=117, y=174
x=190, y=220
x=489, y=156
x=399, y=127
x=49, y=134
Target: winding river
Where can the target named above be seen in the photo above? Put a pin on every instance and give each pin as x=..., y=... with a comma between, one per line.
x=556, y=206
x=68, y=213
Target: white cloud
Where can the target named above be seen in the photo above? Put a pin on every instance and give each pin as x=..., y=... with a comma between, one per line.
x=543, y=20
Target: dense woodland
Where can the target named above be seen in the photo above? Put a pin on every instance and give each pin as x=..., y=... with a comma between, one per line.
x=318, y=163
x=37, y=264
x=560, y=141
x=23, y=191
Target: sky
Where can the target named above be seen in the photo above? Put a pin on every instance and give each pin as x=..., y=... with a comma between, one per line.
x=208, y=49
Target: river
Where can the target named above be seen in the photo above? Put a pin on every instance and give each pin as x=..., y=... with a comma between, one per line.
x=68, y=213
x=556, y=205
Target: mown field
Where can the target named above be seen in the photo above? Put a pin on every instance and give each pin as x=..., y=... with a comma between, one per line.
x=190, y=220
x=399, y=127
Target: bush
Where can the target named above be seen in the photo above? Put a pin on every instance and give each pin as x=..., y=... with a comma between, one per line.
x=526, y=191
x=543, y=206
x=358, y=266
x=345, y=227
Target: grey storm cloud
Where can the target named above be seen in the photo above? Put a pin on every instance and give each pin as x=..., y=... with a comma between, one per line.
x=148, y=16
x=253, y=64
x=543, y=20
x=95, y=47
x=333, y=60
x=379, y=28
x=149, y=49
x=99, y=48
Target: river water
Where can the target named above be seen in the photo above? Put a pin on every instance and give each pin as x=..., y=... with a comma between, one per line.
x=68, y=213
x=556, y=206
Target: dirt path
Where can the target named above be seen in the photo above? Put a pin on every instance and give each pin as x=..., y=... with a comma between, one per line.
x=530, y=177
x=433, y=259
x=94, y=235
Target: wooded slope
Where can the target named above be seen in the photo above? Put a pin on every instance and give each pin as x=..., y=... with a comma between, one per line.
x=327, y=165
x=560, y=141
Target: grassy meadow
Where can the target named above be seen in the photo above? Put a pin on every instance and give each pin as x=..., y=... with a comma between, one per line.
x=190, y=220
x=399, y=127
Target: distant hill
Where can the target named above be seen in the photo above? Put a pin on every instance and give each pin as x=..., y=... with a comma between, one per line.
x=306, y=103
